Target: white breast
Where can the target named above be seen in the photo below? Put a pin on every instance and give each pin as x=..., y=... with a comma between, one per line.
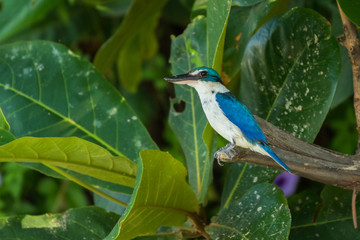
x=221, y=124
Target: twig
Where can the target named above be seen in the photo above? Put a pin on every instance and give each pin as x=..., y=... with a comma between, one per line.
x=353, y=205
x=305, y=159
x=352, y=44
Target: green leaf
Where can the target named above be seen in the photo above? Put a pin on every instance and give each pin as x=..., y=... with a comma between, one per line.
x=161, y=197
x=47, y=90
x=246, y=3
x=137, y=49
x=290, y=70
x=351, y=9
x=243, y=23
x=80, y=223
x=17, y=15
x=136, y=21
x=242, y=176
x=187, y=51
x=259, y=212
x=332, y=220
x=3, y=122
x=74, y=154
x=201, y=44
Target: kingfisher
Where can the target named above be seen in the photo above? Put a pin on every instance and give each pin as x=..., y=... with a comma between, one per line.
x=227, y=116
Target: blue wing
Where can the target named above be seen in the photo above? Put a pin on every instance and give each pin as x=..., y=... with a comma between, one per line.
x=238, y=114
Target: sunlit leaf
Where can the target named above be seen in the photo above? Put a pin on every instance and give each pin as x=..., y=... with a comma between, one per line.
x=16, y=15
x=161, y=197
x=74, y=154
x=261, y=212
x=80, y=223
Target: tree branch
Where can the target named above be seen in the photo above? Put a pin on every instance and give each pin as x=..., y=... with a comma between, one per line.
x=304, y=159
x=352, y=44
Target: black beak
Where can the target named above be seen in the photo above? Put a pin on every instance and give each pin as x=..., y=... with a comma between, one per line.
x=182, y=79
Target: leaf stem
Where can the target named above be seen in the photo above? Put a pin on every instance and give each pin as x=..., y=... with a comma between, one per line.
x=85, y=185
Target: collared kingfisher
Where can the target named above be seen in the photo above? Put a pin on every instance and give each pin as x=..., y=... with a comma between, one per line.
x=229, y=118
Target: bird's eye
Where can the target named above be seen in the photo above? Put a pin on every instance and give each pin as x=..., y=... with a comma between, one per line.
x=203, y=74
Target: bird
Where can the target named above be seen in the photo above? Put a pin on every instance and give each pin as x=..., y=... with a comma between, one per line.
x=226, y=115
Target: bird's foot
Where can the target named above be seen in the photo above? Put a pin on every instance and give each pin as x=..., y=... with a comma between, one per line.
x=225, y=154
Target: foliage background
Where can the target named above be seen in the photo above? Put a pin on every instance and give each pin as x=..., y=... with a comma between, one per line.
x=144, y=54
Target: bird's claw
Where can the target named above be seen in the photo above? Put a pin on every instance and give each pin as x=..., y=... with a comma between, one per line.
x=225, y=154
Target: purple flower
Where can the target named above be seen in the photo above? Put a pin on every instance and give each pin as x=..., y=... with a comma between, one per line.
x=287, y=182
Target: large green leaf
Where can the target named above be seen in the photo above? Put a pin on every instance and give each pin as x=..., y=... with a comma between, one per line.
x=290, y=70
x=276, y=87
x=141, y=15
x=74, y=154
x=260, y=213
x=80, y=223
x=201, y=44
x=187, y=51
x=161, y=197
x=47, y=90
x=325, y=218
x=16, y=15
x=351, y=9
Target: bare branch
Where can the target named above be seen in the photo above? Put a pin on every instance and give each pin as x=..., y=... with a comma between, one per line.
x=305, y=159
x=352, y=44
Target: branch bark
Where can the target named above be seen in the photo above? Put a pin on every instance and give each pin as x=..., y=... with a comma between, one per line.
x=352, y=44
x=305, y=159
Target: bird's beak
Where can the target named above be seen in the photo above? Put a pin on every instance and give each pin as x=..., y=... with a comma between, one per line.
x=182, y=79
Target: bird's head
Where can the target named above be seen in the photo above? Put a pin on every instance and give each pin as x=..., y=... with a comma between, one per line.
x=197, y=75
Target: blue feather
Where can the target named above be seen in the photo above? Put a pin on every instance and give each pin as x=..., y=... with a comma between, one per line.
x=238, y=114
x=274, y=156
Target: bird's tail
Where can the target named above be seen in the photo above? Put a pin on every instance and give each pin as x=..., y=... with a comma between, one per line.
x=275, y=157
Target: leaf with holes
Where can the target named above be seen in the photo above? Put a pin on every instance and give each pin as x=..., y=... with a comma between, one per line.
x=201, y=44
x=190, y=124
x=161, y=197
